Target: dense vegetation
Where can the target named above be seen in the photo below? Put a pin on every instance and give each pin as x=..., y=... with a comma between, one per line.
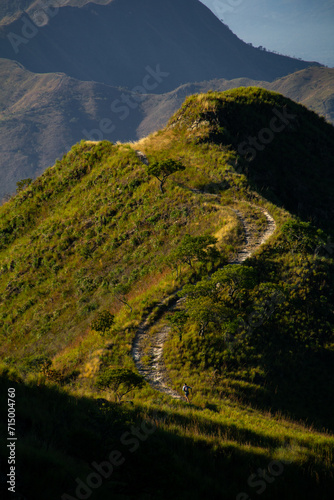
x=92, y=247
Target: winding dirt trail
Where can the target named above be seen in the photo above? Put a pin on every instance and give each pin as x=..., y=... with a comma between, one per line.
x=253, y=241
x=155, y=372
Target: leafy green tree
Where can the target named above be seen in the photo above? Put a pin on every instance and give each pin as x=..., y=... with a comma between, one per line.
x=163, y=169
x=230, y=282
x=267, y=300
x=178, y=320
x=196, y=250
x=120, y=380
x=206, y=313
x=235, y=280
x=103, y=322
x=221, y=298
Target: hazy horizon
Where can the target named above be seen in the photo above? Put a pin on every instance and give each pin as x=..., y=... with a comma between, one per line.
x=297, y=28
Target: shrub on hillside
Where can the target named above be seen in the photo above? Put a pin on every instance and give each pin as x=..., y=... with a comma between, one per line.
x=302, y=236
x=120, y=380
x=103, y=322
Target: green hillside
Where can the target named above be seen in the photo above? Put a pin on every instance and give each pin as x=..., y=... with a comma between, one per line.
x=93, y=251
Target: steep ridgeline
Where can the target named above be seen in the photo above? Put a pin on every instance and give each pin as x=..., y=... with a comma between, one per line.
x=116, y=43
x=313, y=87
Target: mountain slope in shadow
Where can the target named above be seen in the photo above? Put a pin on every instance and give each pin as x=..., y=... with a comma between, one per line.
x=116, y=44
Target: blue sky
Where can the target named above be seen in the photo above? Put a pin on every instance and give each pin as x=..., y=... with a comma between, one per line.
x=299, y=28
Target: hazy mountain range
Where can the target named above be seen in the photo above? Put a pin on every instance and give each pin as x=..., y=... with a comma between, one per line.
x=300, y=28
x=72, y=75
x=115, y=43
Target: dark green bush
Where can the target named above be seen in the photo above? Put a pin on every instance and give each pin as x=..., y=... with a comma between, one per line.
x=103, y=322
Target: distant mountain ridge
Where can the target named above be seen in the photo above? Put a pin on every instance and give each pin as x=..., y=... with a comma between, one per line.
x=11, y=9
x=46, y=114
x=71, y=76
x=299, y=28
x=114, y=43
x=313, y=87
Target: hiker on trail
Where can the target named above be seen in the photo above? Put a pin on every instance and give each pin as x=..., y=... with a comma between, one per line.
x=186, y=388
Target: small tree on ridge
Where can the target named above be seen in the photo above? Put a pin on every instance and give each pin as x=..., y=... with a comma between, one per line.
x=163, y=169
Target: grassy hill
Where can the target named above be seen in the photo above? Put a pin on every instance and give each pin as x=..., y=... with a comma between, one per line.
x=271, y=132
x=95, y=235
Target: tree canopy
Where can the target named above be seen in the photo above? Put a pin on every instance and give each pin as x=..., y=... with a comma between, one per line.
x=196, y=250
x=302, y=236
x=120, y=380
x=219, y=299
x=163, y=169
